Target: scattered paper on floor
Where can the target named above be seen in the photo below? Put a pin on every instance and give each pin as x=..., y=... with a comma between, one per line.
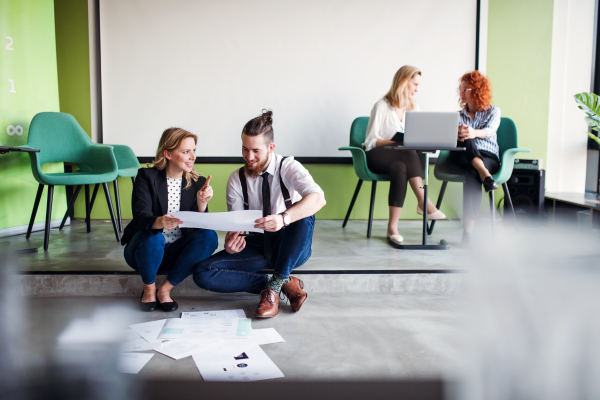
x=132, y=363
x=252, y=365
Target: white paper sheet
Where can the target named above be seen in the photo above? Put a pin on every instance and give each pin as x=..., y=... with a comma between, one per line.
x=132, y=341
x=232, y=221
x=215, y=315
x=236, y=347
x=178, y=349
x=149, y=330
x=132, y=363
x=253, y=365
x=184, y=328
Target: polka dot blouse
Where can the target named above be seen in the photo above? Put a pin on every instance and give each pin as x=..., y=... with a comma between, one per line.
x=174, y=194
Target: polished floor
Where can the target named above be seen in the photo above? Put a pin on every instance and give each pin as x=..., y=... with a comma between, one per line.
x=349, y=337
x=334, y=248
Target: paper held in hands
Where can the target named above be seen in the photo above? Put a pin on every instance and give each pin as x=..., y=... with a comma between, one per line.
x=233, y=221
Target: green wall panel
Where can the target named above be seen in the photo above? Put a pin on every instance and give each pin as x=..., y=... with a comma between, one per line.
x=518, y=66
x=338, y=182
x=73, y=60
x=31, y=65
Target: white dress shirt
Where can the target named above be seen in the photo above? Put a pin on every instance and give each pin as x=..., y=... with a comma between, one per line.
x=383, y=123
x=295, y=177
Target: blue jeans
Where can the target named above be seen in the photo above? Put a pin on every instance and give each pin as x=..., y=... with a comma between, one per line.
x=227, y=273
x=146, y=253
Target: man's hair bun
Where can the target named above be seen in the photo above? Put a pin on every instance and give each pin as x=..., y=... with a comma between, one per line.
x=267, y=117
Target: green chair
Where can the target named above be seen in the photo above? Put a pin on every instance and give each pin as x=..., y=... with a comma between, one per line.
x=446, y=171
x=358, y=133
x=128, y=166
x=60, y=138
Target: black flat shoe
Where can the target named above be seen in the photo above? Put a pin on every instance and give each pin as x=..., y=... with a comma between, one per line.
x=490, y=184
x=150, y=306
x=167, y=307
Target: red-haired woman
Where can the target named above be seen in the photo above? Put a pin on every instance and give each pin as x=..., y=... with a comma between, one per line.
x=479, y=121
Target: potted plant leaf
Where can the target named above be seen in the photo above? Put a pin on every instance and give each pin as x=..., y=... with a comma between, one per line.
x=590, y=104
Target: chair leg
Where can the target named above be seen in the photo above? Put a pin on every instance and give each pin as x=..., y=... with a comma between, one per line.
x=38, y=197
x=110, y=208
x=507, y=196
x=70, y=207
x=356, y=191
x=94, y=196
x=88, y=208
x=492, y=210
x=373, y=190
x=438, y=205
x=116, y=187
x=48, y=216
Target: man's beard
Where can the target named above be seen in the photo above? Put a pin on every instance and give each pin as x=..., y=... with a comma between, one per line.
x=255, y=171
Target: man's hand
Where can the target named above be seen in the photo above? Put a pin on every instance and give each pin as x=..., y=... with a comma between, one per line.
x=204, y=194
x=166, y=222
x=234, y=243
x=270, y=223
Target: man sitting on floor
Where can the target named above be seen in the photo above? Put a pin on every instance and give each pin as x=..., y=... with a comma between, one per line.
x=289, y=197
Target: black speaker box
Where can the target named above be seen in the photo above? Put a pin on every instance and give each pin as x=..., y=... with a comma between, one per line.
x=526, y=188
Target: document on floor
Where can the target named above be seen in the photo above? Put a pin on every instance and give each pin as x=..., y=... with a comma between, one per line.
x=132, y=341
x=259, y=337
x=132, y=363
x=251, y=365
x=178, y=349
x=233, y=221
x=220, y=315
x=184, y=328
x=149, y=330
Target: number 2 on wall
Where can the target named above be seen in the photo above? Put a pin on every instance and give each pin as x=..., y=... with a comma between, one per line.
x=10, y=42
x=12, y=86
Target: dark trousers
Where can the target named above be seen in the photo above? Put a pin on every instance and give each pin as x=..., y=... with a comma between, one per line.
x=401, y=165
x=146, y=253
x=472, y=187
x=228, y=273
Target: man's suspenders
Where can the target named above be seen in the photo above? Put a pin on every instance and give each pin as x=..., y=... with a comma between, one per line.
x=286, y=194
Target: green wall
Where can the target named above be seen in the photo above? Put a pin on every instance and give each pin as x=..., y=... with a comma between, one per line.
x=32, y=67
x=518, y=65
x=73, y=62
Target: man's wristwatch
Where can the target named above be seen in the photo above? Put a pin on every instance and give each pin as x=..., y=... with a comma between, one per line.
x=286, y=218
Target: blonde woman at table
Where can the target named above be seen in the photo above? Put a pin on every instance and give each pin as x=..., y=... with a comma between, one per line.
x=403, y=166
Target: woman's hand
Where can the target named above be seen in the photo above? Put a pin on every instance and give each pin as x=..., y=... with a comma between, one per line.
x=466, y=132
x=234, y=243
x=166, y=222
x=204, y=195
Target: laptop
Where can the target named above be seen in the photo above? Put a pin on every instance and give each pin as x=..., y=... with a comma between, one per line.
x=431, y=130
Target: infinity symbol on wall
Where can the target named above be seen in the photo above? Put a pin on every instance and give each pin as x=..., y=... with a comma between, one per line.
x=11, y=130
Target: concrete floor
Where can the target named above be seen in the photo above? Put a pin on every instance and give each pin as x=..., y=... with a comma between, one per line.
x=334, y=248
x=348, y=337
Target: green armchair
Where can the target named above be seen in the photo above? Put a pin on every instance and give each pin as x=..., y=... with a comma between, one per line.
x=447, y=171
x=60, y=138
x=358, y=133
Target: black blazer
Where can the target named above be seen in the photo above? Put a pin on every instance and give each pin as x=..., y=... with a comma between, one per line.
x=149, y=201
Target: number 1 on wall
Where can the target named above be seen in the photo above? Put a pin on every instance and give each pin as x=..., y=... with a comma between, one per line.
x=12, y=86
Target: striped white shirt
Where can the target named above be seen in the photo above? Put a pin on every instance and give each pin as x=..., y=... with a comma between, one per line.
x=489, y=120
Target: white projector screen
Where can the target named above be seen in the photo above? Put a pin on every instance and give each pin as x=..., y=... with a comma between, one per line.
x=210, y=66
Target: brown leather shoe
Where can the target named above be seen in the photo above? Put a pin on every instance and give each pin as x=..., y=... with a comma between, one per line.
x=268, y=306
x=293, y=291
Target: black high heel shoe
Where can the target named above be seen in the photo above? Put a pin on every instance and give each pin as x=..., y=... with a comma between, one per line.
x=150, y=306
x=167, y=307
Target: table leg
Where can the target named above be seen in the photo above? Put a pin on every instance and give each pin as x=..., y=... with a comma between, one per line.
x=424, y=246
